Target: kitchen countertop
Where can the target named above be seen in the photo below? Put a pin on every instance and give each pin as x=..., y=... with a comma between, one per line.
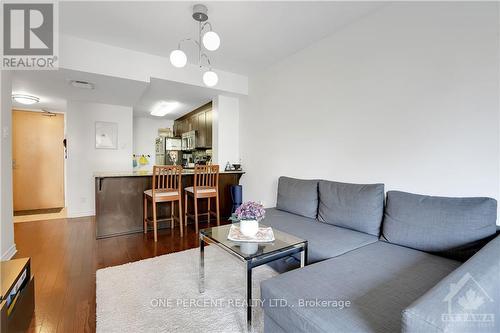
x=147, y=173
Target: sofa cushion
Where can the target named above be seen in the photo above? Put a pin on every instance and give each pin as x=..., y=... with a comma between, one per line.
x=436, y=224
x=379, y=280
x=478, y=277
x=323, y=241
x=354, y=206
x=298, y=196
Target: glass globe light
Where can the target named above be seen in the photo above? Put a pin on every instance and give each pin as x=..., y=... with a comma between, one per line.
x=178, y=58
x=211, y=41
x=210, y=78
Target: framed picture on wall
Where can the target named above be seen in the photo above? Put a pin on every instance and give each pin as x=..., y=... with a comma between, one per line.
x=106, y=135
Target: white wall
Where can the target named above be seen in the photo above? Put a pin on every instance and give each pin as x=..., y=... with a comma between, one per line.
x=8, y=247
x=84, y=159
x=407, y=96
x=145, y=133
x=225, y=130
x=93, y=57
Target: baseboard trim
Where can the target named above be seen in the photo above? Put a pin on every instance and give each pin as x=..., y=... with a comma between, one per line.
x=9, y=253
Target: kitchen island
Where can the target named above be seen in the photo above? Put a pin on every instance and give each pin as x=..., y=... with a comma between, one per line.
x=119, y=200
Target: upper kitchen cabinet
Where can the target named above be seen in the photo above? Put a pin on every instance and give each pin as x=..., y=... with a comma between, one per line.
x=201, y=128
x=177, y=131
x=208, y=128
x=199, y=120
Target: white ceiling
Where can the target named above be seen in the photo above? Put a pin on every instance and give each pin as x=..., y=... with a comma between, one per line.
x=189, y=97
x=254, y=35
x=53, y=89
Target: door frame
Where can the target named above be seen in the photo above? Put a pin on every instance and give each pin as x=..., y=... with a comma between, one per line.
x=64, y=113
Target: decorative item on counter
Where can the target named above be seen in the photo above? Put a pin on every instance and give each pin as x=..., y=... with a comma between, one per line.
x=249, y=214
x=233, y=166
x=134, y=161
x=143, y=160
x=173, y=157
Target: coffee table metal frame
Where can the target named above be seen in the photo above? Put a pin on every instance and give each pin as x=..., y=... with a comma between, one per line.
x=249, y=262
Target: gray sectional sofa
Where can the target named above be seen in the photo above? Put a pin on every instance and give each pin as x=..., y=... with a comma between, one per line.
x=409, y=263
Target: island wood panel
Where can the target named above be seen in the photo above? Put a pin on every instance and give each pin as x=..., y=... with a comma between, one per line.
x=119, y=203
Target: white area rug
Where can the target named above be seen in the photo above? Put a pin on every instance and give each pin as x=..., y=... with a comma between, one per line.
x=161, y=294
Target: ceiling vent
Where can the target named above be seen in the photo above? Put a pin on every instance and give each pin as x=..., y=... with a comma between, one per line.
x=81, y=84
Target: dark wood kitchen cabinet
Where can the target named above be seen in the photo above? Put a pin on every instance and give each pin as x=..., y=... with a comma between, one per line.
x=199, y=120
x=202, y=129
x=180, y=126
x=177, y=132
x=208, y=128
x=194, y=123
x=184, y=126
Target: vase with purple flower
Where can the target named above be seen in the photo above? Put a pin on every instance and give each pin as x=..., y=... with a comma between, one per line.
x=249, y=214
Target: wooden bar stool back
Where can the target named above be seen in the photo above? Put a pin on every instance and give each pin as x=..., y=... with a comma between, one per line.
x=205, y=185
x=166, y=188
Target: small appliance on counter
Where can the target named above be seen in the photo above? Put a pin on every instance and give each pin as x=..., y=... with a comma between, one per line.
x=196, y=157
x=233, y=167
x=187, y=161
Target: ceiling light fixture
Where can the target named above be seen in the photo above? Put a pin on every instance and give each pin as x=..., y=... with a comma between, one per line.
x=210, y=78
x=209, y=40
x=162, y=108
x=25, y=99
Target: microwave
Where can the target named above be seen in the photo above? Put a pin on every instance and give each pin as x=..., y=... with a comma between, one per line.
x=189, y=140
x=173, y=144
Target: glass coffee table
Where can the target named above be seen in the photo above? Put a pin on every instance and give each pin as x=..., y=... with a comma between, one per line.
x=251, y=254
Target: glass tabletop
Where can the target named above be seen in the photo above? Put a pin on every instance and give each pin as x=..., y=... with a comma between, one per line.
x=247, y=250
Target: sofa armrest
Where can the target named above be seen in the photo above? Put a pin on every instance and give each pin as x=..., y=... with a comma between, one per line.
x=467, y=300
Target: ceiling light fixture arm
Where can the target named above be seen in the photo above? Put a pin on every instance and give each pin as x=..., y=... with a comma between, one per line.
x=208, y=61
x=188, y=40
x=204, y=25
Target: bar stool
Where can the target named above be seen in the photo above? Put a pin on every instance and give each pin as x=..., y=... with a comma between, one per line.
x=205, y=185
x=166, y=188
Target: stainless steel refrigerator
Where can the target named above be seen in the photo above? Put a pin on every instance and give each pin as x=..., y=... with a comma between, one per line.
x=168, y=151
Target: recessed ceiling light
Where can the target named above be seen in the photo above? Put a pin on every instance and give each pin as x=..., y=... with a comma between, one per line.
x=25, y=99
x=82, y=84
x=163, y=108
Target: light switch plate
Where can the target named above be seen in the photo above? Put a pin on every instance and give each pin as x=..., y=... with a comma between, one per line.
x=5, y=132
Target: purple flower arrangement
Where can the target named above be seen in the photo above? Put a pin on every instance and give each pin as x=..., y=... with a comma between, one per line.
x=250, y=211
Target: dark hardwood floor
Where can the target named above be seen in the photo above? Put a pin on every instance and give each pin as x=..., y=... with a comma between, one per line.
x=65, y=256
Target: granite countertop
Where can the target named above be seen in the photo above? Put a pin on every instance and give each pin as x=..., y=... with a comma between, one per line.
x=111, y=174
